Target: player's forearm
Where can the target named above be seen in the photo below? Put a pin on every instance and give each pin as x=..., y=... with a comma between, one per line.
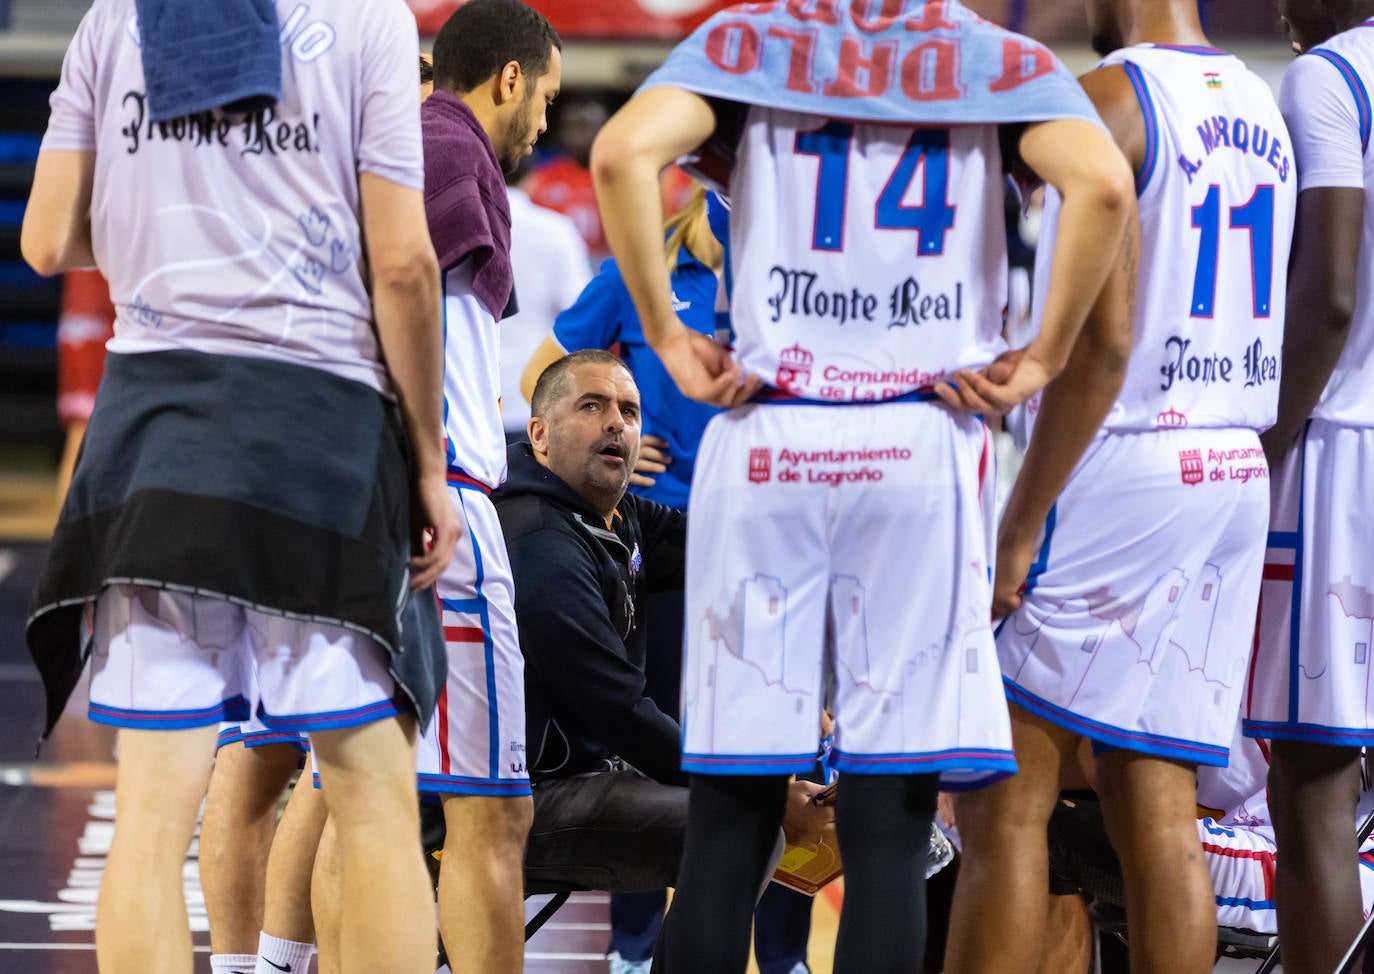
x=1093, y=220
x=655, y=128
x=1074, y=406
x=56, y=233
x=1314, y=337
x=627, y=189
x=406, y=304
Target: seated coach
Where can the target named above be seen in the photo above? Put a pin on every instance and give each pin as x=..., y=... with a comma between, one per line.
x=610, y=798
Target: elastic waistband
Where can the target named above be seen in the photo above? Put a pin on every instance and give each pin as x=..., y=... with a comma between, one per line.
x=776, y=397
x=459, y=479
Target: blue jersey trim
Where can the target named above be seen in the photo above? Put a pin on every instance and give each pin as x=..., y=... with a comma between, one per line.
x=1147, y=109
x=333, y=719
x=929, y=762
x=749, y=763
x=233, y=709
x=1195, y=752
x=1284, y=539
x=1191, y=49
x=1278, y=730
x=1357, y=91
x=453, y=784
x=1295, y=600
x=489, y=661
x=1042, y=557
x=1243, y=901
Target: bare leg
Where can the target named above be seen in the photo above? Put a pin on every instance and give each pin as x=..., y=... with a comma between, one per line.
x=141, y=925
x=324, y=897
x=235, y=836
x=1313, y=793
x=387, y=918
x=287, y=912
x=481, y=883
x=997, y=922
x=1150, y=807
x=1068, y=938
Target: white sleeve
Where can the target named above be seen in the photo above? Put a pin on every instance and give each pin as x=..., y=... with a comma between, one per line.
x=71, y=124
x=389, y=134
x=1319, y=103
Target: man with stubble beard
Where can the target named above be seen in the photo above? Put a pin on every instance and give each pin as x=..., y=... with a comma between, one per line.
x=497, y=68
x=610, y=797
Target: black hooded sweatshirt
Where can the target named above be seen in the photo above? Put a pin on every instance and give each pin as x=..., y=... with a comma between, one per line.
x=580, y=589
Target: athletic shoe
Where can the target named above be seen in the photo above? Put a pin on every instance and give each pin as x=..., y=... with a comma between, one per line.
x=621, y=966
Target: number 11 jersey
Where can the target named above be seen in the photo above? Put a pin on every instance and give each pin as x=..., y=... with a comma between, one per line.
x=869, y=259
x=1217, y=192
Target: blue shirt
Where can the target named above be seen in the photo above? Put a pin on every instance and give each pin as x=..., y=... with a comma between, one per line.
x=604, y=315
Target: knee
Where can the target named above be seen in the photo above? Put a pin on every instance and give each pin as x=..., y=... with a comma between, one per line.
x=502, y=824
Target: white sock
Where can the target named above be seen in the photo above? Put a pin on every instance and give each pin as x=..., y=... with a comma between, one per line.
x=233, y=963
x=276, y=956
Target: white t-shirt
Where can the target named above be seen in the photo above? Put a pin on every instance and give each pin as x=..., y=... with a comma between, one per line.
x=1325, y=100
x=869, y=261
x=551, y=268
x=239, y=235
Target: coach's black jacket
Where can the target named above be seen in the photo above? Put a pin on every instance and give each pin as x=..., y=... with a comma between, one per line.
x=578, y=586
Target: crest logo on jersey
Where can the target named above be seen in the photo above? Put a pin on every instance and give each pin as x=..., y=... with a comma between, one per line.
x=760, y=464
x=1171, y=419
x=1212, y=79
x=1190, y=466
x=636, y=560
x=794, y=369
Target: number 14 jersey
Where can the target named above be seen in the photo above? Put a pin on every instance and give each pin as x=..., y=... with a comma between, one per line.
x=869, y=260
x=1217, y=193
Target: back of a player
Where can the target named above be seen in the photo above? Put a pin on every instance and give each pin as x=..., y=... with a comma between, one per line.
x=1133, y=636
x=868, y=264
x=1311, y=672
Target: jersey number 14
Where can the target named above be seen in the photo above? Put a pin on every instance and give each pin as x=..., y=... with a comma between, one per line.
x=927, y=151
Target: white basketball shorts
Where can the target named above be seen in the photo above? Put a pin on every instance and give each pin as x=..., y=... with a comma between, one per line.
x=1138, y=614
x=1310, y=679
x=165, y=659
x=476, y=743
x=843, y=546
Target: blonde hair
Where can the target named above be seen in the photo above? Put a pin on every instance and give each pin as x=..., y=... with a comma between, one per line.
x=679, y=225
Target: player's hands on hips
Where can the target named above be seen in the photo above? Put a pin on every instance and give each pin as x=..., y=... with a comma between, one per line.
x=802, y=819
x=1014, y=557
x=995, y=390
x=704, y=370
x=653, y=460
x=435, y=529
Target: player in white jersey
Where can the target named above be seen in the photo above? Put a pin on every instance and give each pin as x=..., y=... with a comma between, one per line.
x=1309, y=680
x=1129, y=602
x=246, y=462
x=868, y=265
x=497, y=67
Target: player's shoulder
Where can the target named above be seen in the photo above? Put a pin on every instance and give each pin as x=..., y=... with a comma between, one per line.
x=1119, y=101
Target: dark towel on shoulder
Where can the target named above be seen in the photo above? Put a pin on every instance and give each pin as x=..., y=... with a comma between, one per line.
x=202, y=54
x=465, y=198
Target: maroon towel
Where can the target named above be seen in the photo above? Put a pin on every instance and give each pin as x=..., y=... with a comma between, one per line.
x=465, y=198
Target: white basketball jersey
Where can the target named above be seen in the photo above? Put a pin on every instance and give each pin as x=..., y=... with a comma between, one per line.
x=1325, y=100
x=474, y=438
x=1217, y=191
x=869, y=260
